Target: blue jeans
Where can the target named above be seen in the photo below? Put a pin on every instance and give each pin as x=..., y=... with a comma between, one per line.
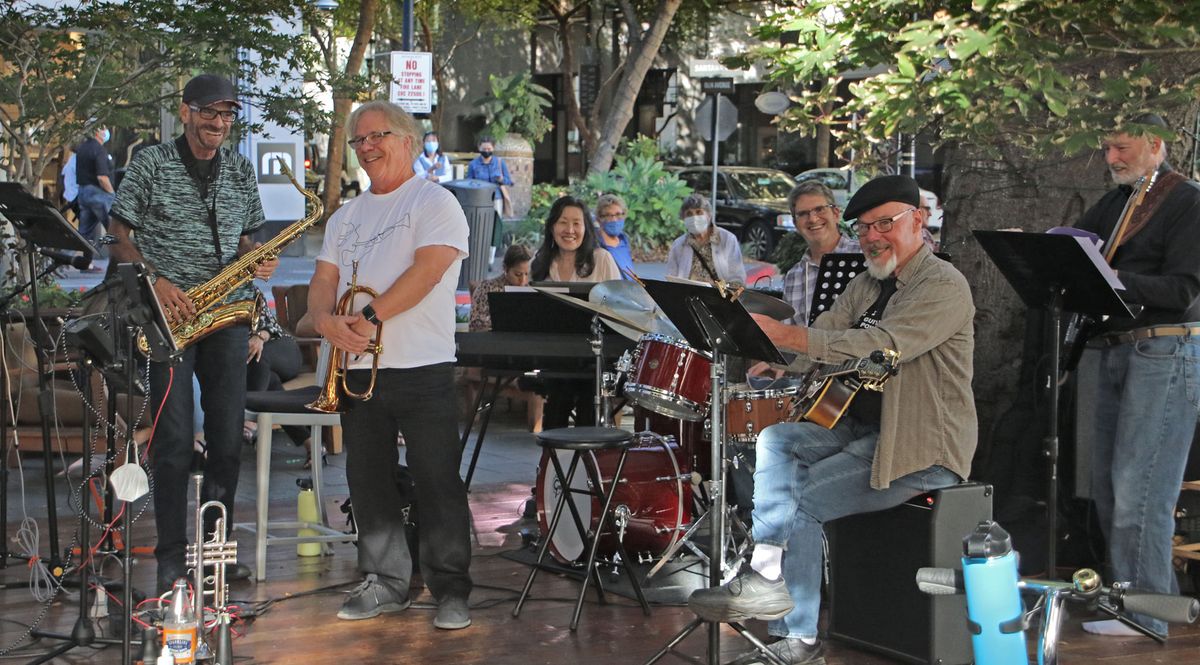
x=94, y=204
x=807, y=475
x=219, y=364
x=1146, y=397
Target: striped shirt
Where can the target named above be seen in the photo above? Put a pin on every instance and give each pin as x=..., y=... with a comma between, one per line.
x=801, y=281
x=162, y=203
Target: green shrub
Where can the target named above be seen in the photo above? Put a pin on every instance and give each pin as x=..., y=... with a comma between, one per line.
x=652, y=195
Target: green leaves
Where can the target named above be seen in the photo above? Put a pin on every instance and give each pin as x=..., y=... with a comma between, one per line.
x=1041, y=75
x=515, y=104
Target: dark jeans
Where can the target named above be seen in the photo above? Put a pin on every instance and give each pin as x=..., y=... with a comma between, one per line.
x=421, y=403
x=280, y=361
x=219, y=363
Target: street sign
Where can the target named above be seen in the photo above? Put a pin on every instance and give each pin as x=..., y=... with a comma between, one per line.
x=411, y=80
x=713, y=85
x=726, y=118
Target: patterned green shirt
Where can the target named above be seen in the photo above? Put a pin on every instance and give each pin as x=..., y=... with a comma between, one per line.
x=162, y=203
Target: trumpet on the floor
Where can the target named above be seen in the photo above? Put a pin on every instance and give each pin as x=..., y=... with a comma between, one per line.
x=217, y=552
x=333, y=386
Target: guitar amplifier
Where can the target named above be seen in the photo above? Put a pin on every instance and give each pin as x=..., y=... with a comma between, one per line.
x=874, y=602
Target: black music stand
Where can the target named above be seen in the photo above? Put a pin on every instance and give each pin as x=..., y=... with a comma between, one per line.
x=710, y=322
x=41, y=226
x=1057, y=273
x=833, y=275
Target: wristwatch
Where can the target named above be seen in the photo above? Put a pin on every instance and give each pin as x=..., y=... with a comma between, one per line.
x=368, y=313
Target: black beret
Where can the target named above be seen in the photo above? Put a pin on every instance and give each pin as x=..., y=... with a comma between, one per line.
x=881, y=190
x=207, y=89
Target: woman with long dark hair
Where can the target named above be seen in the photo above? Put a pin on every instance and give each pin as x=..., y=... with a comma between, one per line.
x=569, y=251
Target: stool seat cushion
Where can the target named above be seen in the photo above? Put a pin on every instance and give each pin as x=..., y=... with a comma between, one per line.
x=585, y=438
x=282, y=401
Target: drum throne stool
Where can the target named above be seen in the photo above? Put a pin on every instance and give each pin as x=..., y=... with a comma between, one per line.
x=582, y=442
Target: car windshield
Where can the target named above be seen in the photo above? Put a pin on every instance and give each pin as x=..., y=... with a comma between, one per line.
x=763, y=184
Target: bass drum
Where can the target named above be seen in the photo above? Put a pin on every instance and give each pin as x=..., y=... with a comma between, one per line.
x=655, y=494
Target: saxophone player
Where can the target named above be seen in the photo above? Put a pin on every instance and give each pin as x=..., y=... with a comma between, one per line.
x=187, y=208
x=404, y=238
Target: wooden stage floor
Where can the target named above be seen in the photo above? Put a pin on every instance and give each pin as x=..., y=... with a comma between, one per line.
x=300, y=625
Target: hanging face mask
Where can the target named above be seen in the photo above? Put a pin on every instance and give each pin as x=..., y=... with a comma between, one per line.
x=485, y=153
x=696, y=224
x=431, y=147
x=129, y=481
x=614, y=228
x=105, y=136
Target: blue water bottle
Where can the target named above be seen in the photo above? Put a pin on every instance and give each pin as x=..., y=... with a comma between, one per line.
x=995, y=614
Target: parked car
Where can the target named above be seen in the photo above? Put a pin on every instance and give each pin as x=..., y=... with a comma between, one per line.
x=751, y=203
x=842, y=181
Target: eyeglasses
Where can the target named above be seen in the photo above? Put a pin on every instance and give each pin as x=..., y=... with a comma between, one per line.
x=369, y=139
x=210, y=113
x=881, y=225
x=801, y=215
x=611, y=216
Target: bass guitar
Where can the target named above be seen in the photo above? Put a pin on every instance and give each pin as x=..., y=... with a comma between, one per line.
x=827, y=391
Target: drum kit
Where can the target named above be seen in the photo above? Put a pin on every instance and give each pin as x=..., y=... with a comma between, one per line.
x=662, y=499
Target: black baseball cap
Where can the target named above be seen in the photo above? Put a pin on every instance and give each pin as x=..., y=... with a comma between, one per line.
x=208, y=89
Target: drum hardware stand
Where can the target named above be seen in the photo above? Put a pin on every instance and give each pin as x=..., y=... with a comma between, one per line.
x=709, y=321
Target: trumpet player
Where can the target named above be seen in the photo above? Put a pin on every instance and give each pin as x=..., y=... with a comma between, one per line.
x=405, y=239
x=187, y=208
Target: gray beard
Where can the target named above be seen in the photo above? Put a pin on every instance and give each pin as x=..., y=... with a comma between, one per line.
x=884, y=270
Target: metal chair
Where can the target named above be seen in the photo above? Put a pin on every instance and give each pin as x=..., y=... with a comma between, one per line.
x=287, y=407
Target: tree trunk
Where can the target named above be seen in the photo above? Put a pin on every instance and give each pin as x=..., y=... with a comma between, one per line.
x=620, y=112
x=341, y=106
x=1011, y=192
x=574, y=115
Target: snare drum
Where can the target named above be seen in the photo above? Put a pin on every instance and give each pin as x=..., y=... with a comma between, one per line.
x=749, y=412
x=670, y=378
x=654, y=496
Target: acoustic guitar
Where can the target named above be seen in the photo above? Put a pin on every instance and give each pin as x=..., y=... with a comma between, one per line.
x=828, y=391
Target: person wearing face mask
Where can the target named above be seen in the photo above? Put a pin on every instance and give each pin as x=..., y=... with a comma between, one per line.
x=432, y=164
x=610, y=213
x=491, y=168
x=569, y=253
x=707, y=252
x=93, y=174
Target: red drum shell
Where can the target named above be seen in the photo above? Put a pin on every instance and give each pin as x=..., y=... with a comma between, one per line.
x=670, y=378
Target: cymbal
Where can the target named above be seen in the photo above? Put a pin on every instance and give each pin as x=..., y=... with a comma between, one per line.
x=632, y=300
x=626, y=323
x=757, y=302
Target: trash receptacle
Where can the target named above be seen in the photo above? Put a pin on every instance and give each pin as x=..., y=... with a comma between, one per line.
x=475, y=197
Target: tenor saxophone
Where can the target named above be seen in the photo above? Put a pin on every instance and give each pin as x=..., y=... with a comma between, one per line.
x=206, y=298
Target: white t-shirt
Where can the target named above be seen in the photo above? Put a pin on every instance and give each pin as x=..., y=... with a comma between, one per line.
x=383, y=233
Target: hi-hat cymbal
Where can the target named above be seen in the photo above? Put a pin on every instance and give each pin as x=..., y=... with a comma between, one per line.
x=628, y=324
x=757, y=302
x=632, y=300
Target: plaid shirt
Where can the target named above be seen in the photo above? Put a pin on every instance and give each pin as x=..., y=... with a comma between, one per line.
x=801, y=281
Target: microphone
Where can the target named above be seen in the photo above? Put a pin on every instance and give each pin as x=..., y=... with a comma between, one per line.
x=80, y=261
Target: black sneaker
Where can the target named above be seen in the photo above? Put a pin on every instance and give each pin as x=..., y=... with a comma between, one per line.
x=747, y=596
x=452, y=614
x=370, y=599
x=790, y=651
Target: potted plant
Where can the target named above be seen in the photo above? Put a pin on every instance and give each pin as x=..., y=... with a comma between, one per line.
x=514, y=110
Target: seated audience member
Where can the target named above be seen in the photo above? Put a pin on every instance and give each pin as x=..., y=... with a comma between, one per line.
x=432, y=164
x=610, y=216
x=516, y=273
x=705, y=252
